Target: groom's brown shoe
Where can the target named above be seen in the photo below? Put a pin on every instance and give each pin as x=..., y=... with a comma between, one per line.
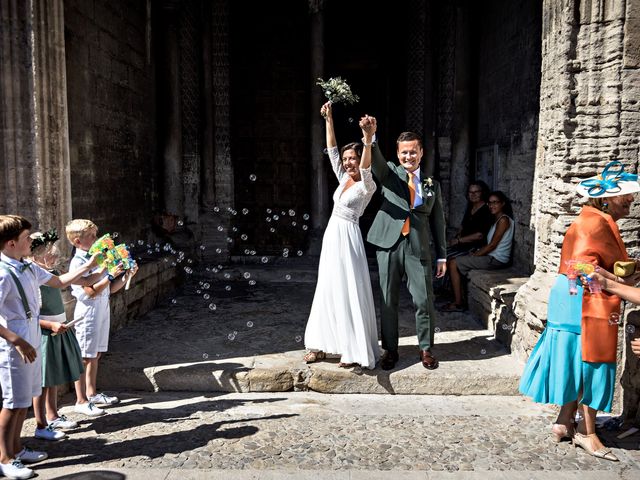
x=389, y=360
x=428, y=361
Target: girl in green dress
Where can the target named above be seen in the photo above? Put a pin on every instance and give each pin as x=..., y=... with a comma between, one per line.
x=61, y=357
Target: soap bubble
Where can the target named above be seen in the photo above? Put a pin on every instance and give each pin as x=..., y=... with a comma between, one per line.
x=268, y=219
x=292, y=213
x=614, y=319
x=252, y=252
x=264, y=259
x=198, y=292
x=436, y=330
x=272, y=230
x=115, y=235
x=218, y=250
x=268, y=210
x=305, y=216
x=298, y=338
x=234, y=229
x=149, y=252
x=631, y=329
x=293, y=224
x=276, y=217
x=206, y=286
x=246, y=251
x=205, y=356
x=249, y=324
x=140, y=242
x=252, y=177
x=227, y=275
x=174, y=301
x=299, y=253
x=216, y=209
x=505, y=326
x=350, y=120
x=245, y=211
x=228, y=288
x=252, y=282
x=229, y=240
x=285, y=254
x=246, y=275
x=189, y=261
x=212, y=306
x=325, y=151
x=287, y=277
x=244, y=236
x=231, y=337
x=304, y=227
x=188, y=270
x=206, y=296
x=180, y=223
x=220, y=228
x=483, y=352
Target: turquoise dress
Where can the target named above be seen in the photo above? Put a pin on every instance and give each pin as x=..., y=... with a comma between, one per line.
x=555, y=372
x=61, y=357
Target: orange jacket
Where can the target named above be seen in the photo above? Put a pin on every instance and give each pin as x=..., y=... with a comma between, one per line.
x=595, y=237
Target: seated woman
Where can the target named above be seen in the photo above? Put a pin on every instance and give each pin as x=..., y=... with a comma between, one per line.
x=475, y=225
x=494, y=255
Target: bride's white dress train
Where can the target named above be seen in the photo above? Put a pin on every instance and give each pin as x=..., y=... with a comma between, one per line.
x=343, y=317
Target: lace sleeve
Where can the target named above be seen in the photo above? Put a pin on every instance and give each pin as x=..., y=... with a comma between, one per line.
x=367, y=180
x=334, y=156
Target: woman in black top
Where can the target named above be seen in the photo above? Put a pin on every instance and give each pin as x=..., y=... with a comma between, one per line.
x=475, y=225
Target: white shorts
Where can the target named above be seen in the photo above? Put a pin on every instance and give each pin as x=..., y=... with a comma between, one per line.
x=20, y=381
x=92, y=331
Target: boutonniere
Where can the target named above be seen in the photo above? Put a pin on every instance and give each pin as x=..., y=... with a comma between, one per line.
x=427, y=186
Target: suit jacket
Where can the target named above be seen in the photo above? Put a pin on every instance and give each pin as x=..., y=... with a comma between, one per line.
x=594, y=237
x=387, y=226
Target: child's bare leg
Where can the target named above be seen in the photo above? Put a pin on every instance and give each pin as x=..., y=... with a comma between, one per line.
x=39, y=409
x=7, y=421
x=50, y=395
x=21, y=414
x=92, y=376
x=81, y=384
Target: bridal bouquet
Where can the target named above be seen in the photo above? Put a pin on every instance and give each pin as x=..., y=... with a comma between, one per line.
x=337, y=90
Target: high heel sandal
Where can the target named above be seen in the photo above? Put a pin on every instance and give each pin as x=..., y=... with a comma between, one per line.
x=584, y=441
x=311, y=357
x=561, y=431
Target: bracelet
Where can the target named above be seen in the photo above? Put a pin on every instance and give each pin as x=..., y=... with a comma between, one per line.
x=365, y=144
x=111, y=277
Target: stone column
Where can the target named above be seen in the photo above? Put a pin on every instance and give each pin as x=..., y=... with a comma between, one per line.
x=34, y=129
x=319, y=187
x=171, y=124
x=589, y=115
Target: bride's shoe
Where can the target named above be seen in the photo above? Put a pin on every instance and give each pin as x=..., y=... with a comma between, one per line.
x=311, y=357
x=584, y=441
x=561, y=431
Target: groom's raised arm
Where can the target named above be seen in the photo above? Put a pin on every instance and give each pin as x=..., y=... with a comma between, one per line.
x=379, y=166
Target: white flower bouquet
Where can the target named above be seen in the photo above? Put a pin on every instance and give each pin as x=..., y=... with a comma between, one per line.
x=337, y=90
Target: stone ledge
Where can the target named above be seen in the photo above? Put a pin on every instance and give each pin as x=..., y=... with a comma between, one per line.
x=491, y=300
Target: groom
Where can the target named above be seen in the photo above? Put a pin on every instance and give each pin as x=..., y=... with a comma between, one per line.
x=411, y=205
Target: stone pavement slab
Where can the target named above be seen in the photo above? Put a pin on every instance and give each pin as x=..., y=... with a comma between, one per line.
x=225, y=334
x=304, y=435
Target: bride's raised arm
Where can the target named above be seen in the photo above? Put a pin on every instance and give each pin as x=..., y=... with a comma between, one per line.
x=327, y=113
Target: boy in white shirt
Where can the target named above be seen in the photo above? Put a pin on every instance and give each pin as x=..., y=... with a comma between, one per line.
x=20, y=374
x=92, y=307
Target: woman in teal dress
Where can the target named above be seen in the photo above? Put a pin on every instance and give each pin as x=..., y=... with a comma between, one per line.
x=574, y=359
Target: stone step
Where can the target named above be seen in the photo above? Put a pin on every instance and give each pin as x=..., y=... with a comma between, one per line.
x=253, y=342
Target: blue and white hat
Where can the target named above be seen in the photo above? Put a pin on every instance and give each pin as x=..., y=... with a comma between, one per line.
x=613, y=181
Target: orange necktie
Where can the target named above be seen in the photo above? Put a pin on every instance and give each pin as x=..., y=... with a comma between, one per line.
x=412, y=197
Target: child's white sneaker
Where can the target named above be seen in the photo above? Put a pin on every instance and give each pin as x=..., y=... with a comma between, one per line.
x=88, y=409
x=15, y=469
x=63, y=423
x=103, y=399
x=27, y=455
x=48, y=433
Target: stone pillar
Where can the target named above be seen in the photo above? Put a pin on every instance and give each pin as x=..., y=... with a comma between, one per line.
x=190, y=95
x=33, y=121
x=319, y=187
x=171, y=123
x=217, y=188
x=589, y=115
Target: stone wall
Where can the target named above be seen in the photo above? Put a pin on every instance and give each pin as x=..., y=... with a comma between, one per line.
x=508, y=86
x=589, y=115
x=111, y=114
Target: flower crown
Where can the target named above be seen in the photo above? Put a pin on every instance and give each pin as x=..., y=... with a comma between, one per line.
x=39, y=239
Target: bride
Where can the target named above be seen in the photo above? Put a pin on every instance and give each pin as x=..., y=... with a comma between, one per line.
x=343, y=319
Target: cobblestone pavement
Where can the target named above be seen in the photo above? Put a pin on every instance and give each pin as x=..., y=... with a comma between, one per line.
x=304, y=434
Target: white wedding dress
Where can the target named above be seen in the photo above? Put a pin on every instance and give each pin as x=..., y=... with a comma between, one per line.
x=343, y=318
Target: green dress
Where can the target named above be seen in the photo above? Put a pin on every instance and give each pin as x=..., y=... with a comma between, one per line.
x=61, y=357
